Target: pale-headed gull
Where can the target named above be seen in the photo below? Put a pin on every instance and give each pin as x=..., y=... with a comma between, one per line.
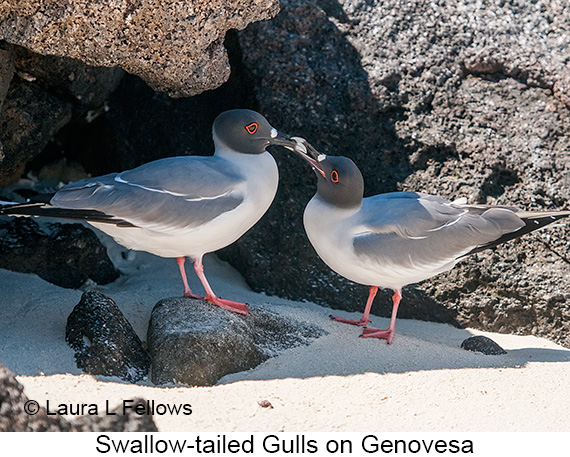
x=181, y=206
x=399, y=238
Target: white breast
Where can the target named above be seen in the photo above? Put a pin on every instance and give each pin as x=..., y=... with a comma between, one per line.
x=330, y=231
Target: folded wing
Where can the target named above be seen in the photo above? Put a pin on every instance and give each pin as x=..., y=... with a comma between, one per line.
x=422, y=232
x=168, y=194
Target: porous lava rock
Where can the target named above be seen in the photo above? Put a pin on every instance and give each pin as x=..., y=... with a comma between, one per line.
x=176, y=47
x=482, y=344
x=66, y=255
x=104, y=341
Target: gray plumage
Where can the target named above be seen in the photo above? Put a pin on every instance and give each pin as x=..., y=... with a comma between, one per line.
x=425, y=232
x=177, y=192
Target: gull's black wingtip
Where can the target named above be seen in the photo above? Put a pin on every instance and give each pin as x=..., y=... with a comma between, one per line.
x=532, y=223
x=46, y=210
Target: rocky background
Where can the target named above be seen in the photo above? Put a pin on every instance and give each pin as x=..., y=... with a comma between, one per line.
x=458, y=98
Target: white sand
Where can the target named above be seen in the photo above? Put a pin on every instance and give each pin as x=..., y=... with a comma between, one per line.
x=422, y=382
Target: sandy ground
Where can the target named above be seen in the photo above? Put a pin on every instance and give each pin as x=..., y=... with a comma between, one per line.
x=422, y=382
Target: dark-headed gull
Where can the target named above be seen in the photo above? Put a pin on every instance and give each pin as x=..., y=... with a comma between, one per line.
x=399, y=238
x=181, y=206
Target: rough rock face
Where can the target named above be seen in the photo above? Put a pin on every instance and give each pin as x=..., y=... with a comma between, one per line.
x=53, y=62
x=38, y=96
x=6, y=70
x=18, y=416
x=193, y=342
x=458, y=99
x=28, y=120
x=140, y=125
x=104, y=341
x=66, y=255
x=174, y=46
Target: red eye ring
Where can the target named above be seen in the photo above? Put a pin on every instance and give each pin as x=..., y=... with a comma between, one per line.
x=334, y=176
x=251, y=128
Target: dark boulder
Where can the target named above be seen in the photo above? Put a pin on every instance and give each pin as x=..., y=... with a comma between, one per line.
x=39, y=95
x=16, y=416
x=66, y=255
x=482, y=344
x=104, y=341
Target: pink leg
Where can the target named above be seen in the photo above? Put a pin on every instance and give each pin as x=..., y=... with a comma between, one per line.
x=387, y=334
x=187, y=291
x=211, y=296
x=362, y=322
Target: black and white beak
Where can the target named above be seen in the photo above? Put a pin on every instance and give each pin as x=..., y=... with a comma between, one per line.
x=304, y=149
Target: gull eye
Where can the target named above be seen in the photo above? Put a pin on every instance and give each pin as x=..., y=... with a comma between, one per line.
x=334, y=176
x=251, y=128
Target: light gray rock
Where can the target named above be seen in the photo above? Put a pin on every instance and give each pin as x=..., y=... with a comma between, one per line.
x=196, y=343
x=174, y=46
x=193, y=342
x=61, y=75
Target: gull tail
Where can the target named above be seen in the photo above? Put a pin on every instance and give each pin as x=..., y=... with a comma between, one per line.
x=533, y=220
x=39, y=208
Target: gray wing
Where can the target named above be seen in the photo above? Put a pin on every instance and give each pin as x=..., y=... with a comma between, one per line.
x=419, y=231
x=170, y=193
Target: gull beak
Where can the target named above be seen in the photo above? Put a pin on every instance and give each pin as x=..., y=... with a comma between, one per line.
x=281, y=139
x=301, y=147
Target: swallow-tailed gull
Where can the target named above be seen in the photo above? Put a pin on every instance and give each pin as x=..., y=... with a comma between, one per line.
x=181, y=206
x=399, y=238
